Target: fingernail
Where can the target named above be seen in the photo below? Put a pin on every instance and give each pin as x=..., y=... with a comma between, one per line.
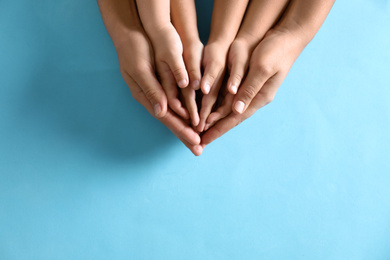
x=206, y=127
x=239, y=106
x=234, y=88
x=157, y=109
x=195, y=121
x=182, y=83
x=206, y=88
x=195, y=84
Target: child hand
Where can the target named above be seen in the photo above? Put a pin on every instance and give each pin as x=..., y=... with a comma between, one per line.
x=192, y=58
x=225, y=22
x=168, y=49
x=170, y=66
x=183, y=15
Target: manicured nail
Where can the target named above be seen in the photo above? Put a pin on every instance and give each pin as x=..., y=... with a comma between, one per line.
x=157, y=109
x=234, y=88
x=195, y=84
x=207, y=88
x=182, y=83
x=239, y=106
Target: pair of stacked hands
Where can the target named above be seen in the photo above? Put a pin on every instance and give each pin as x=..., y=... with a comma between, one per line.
x=201, y=92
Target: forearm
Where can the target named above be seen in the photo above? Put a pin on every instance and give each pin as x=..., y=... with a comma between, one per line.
x=304, y=18
x=183, y=14
x=154, y=14
x=119, y=16
x=226, y=19
x=260, y=16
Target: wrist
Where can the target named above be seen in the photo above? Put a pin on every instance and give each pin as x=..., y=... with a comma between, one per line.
x=298, y=34
x=122, y=36
x=295, y=37
x=220, y=44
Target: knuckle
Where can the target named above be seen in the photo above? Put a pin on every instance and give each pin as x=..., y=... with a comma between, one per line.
x=139, y=69
x=263, y=69
x=237, y=77
x=267, y=97
x=178, y=72
x=136, y=94
x=151, y=94
x=194, y=73
x=249, y=92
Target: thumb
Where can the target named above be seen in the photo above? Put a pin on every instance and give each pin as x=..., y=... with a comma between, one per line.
x=153, y=91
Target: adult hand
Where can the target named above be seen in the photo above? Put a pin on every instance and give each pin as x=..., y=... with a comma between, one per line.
x=137, y=68
x=251, y=32
x=270, y=62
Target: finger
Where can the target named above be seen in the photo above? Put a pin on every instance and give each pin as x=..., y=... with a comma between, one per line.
x=169, y=85
x=195, y=149
x=189, y=97
x=263, y=98
x=178, y=69
x=186, y=134
x=146, y=81
x=221, y=112
x=257, y=76
x=211, y=75
x=238, y=64
x=208, y=102
x=192, y=60
x=177, y=125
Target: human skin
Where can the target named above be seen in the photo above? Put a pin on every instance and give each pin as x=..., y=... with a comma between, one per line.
x=168, y=49
x=138, y=69
x=271, y=60
x=225, y=22
x=260, y=16
x=183, y=14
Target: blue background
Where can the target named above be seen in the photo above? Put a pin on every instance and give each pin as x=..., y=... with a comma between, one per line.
x=87, y=173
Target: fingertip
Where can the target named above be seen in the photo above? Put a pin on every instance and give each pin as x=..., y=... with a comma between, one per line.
x=182, y=83
x=233, y=88
x=197, y=150
x=195, y=84
x=239, y=107
x=206, y=88
x=195, y=120
x=197, y=140
x=200, y=126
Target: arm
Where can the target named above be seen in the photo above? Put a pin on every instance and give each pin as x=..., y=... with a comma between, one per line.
x=137, y=68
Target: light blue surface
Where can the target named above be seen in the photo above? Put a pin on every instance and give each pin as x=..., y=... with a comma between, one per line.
x=86, y=173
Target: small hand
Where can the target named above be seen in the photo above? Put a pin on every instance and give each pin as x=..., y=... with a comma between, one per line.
x=214, y=64
x=170, y=65
x=192, y=57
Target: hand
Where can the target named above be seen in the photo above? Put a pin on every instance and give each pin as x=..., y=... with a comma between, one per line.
x=192, y=55
x=137, y=68
x=251, y=32
x=170, y=65
x=270, y=62
x=183, y=17
x=214, y=63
